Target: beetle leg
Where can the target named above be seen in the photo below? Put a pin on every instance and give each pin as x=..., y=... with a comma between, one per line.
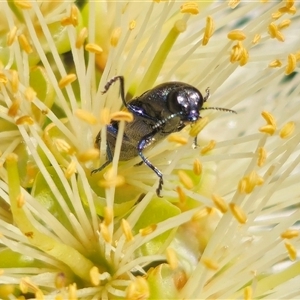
x=144, y=143
x=109, y=160
x=122, y=92
x=195, y=143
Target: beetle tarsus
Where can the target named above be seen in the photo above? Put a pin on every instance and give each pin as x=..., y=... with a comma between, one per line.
x=159, y=188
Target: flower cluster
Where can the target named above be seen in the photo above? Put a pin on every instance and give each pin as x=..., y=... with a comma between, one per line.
x=227, y=225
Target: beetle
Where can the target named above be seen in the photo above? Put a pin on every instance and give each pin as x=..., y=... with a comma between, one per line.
x=158, y=112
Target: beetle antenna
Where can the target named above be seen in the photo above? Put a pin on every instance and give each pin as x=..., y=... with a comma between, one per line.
x=220, y=108
x=207, y=94
x=122, y=92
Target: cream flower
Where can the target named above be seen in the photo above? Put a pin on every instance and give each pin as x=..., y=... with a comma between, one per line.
x=228, y=223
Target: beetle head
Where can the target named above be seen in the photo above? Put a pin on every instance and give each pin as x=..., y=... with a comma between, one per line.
x=186, y=102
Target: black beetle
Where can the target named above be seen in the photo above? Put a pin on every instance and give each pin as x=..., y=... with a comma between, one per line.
x=166, y=108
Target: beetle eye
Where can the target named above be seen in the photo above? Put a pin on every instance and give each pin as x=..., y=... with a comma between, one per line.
x=173, y=104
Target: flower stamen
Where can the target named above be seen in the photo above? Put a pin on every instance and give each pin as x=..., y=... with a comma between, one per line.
x=289, y=234
x=238, y=213
x=220, y=203
x=67, y=80
x=210, y=263
x=211, y=145
x=287, y=130
x=291, y=250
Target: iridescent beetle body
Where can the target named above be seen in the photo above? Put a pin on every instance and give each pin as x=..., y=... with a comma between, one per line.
x=165, y=109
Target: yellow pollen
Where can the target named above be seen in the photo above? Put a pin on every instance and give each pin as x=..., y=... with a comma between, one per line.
x=291, y=250
x=185, y=180
x=72, y=291
x=275, y=63
x=25, y=120
x=210, y=263
x=94, y=276
x=197, y=167
x=13, y=110
x=269, y=118
x=179, y=26
x=71, y=169
x=233, y=3
x=236, y=35
x=244, y=57
x=93, y=48
x=74, y=15
x=62, y=145
x=108, y=215
x=112, y=181
x=105, y=116
x=284, y=24
x=248, y=293
x=276, y=15
x=280, y=37
x=190, y=8
x=209, y=30
x=147, y=230
x=14, y=81
x=272, y=28
x=251, y=181
x=3, y=78
x=30, y=94
x=82, y=35
x=88, y=155
x=198, y=126
x=287, y=130
x=176, y=138
x=126, y=230
x=291, y=65
x=172, y=258
x=275, y=33
x=238, y=52
x=290, y=234
x=25, y=43
x=115, y=36
x=256, y=39
x=262, y=156
x=269, y=129
x=181, y=195
x=132, y=24
x=20, y=200
x=211, y=145
x=66, y=21
x=122, y=116
x=11, y=36
x=238, y=213
x=292, y=10
x=67, y=80
x=23, y=4
x=86, y=116
x=220, y=203
x=105, y=233
x=289, y=3
x=200, y=214
x=138, y=289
